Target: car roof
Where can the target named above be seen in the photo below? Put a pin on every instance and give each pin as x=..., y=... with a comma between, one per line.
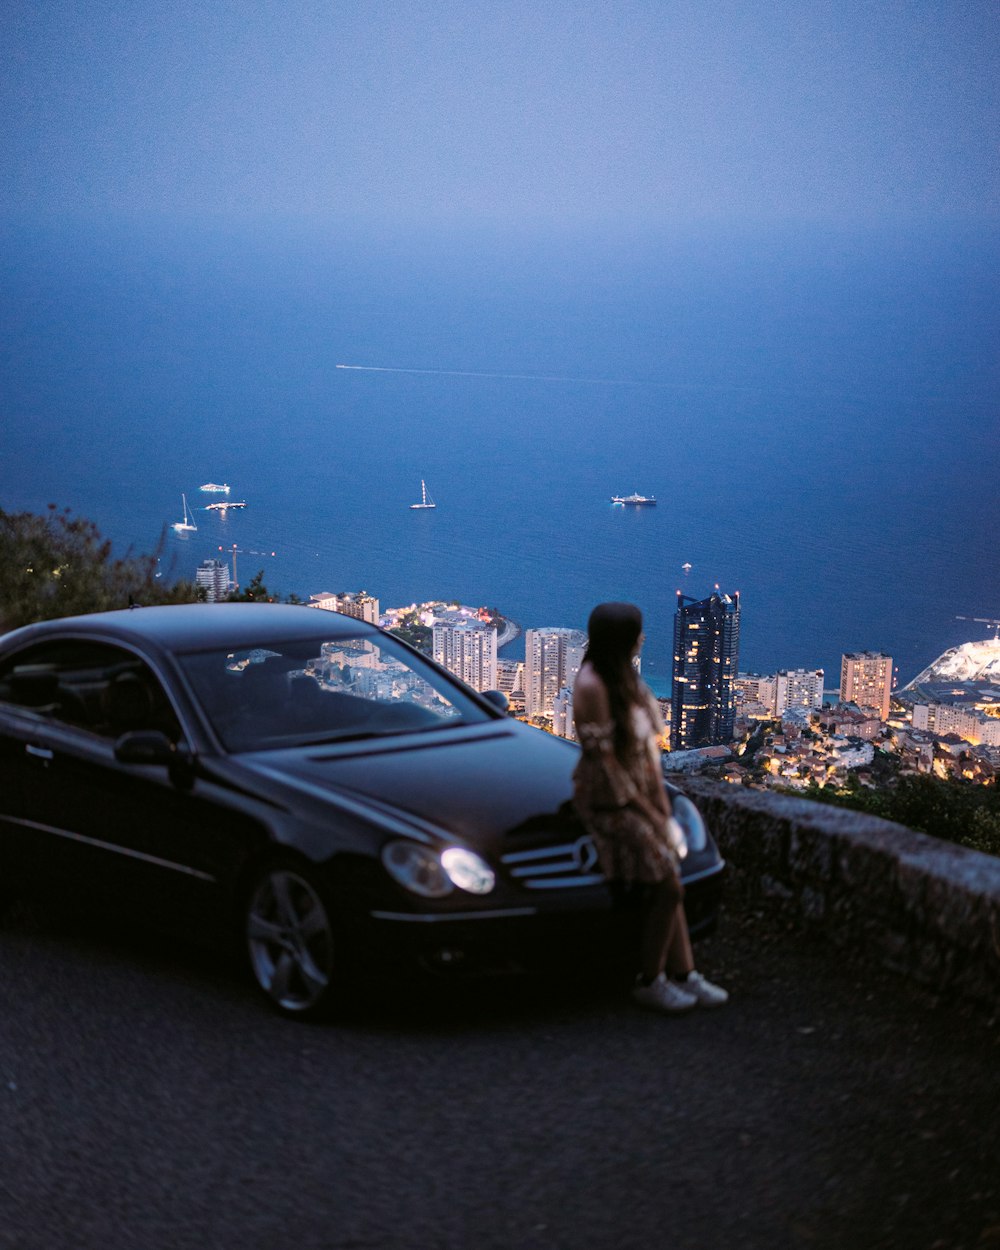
x=201, y=626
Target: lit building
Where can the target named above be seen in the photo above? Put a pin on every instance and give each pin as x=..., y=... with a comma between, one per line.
x=562, y=714
x=847, y=722
x=969, y=723
x=798, y=687
x=510, y=676
x=469, y=650
x=706, y=656
x=359, y=604
x=510, y=679
x=552, y=659
x=324, y=600
x=213, y=575
x=755, y=694
x=866, y=680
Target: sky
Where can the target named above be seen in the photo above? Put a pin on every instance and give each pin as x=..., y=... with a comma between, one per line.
x=436, y=115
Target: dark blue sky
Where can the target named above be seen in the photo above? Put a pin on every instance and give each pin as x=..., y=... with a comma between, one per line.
x=629, y=114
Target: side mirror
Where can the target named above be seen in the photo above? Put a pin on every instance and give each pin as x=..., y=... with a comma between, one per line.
x=145, y=746
x=498, y=699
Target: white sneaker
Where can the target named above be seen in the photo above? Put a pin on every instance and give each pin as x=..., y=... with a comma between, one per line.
x=704, y=992
x=663, y=995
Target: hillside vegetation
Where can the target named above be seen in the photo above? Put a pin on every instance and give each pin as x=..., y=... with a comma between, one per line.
x=57, y=564
x=945, y=807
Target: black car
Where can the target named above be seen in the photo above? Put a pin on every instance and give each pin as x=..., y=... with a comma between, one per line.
x=305, y=780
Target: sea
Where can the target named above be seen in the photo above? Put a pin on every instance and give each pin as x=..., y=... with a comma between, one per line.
x=814, y=408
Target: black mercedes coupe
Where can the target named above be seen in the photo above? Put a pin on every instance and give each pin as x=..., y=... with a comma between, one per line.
x=308, y=783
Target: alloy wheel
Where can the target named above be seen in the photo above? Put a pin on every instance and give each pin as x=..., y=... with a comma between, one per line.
x=290, y=941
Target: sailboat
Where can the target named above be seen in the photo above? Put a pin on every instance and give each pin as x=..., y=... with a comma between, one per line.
x=425, y=500
x=187, y=526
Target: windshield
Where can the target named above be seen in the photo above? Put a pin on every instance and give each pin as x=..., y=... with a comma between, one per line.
x=285, y=694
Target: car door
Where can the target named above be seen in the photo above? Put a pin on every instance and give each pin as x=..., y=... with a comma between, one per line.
x=82, y=824
x=27, y=698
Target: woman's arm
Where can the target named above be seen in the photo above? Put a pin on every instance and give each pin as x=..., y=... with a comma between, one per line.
x=590, y=699
x=595, y=732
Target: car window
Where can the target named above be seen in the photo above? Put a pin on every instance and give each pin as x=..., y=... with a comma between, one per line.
x=93, y=686
x=323, y=690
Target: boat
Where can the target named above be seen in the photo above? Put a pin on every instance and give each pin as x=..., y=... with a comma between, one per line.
x=621, y=500
x=425, y=500
x=224, y=507
x=216, y=488
x=187, y=526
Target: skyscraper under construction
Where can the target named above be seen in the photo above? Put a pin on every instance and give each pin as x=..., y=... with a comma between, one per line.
x=706, y=658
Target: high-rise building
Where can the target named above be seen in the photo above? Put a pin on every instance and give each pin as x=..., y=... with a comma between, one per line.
x=706, y=656
x=469, y=650
x=866, y=680
x=213, y=575
x=552, y=659
x=798, y=687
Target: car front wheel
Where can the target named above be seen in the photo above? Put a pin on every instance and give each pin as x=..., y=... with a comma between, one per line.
x=290, y=941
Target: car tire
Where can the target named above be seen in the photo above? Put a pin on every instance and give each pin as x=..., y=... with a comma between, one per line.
x=291, y=940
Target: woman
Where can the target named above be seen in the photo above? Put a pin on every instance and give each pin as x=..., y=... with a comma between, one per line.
x=621, y=799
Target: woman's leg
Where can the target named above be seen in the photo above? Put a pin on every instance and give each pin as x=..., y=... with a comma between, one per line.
x=680, y=958
x=665, y=941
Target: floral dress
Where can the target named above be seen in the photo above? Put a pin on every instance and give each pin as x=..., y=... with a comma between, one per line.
x=630, y=845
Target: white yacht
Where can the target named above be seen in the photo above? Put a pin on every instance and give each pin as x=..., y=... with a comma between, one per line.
x=425, y=500
x=187, y=525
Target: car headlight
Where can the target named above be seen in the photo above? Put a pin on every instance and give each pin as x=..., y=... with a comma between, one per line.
x=469, y=871
x=433, y=875
x=691, y=822
x=417, y=868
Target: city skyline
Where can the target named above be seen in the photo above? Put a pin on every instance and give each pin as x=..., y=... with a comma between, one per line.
x=780, y=689
x=809, y=743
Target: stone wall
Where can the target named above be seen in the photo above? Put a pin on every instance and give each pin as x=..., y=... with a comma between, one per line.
x=926, y=908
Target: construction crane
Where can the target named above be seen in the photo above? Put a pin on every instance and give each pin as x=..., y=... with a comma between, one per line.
x=984, y=620
x=236, y=580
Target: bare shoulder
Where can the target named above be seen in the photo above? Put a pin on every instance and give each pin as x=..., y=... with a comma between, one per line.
x=590, y=697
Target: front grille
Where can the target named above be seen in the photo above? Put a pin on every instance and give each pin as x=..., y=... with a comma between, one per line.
x=559, y=867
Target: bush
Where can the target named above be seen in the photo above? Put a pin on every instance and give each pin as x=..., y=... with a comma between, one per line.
x=947, y=808
x=983, y=833
x=59, y=565
x=420, y=637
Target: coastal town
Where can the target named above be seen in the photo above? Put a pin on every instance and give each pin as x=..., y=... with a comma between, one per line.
x=784, y=730
x=787, y=731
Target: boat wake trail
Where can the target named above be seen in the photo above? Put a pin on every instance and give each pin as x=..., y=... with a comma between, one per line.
x=512, y=377
x=707, y=387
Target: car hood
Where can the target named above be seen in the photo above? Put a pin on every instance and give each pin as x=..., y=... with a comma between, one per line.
x=475, y=784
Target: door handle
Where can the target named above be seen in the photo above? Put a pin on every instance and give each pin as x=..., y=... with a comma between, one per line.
x=40, y=753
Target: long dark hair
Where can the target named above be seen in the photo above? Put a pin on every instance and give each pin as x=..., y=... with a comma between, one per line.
x=612, y=633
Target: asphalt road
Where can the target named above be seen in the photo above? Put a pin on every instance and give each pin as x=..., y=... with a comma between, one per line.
x=147, y=1099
